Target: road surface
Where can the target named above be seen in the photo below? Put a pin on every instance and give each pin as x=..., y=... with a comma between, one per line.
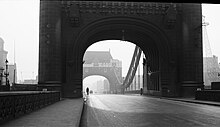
x=142, y=111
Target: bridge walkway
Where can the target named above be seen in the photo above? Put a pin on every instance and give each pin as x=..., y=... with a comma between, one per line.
x=189, y=100
x=192, y=100
x=65, y=113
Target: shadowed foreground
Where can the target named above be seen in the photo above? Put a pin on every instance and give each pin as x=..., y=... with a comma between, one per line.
x=65, y=113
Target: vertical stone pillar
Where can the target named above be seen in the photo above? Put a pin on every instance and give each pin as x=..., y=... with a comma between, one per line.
x=73, y=87
x=50, y=43
x=145, y=76
x=191, y=64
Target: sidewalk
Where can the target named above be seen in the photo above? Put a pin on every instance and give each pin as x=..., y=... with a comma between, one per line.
x=65, y=113
x=189, y=100
x=192, y=100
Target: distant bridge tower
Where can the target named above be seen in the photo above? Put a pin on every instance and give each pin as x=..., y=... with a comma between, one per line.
x=101, y=63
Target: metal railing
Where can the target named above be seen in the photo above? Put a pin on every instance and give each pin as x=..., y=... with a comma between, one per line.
x=15, y=104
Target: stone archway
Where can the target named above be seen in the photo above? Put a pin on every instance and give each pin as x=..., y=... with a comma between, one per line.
x=112, y=83
x=168, y=33
x=147, y=36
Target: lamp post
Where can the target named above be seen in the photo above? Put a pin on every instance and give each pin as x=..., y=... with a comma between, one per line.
x=6, y=72
x=1, y=74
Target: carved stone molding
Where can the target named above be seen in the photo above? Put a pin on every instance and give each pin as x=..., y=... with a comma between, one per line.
x=170, y=17
x=74, y=9
x=72, y=12
x=108, y=7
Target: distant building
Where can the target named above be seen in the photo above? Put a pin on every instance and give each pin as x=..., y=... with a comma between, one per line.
x=3, y=53
x=12, y=70
x=37, y=78
x=94, y=87
x=30, y=81
x=106, y=86
x=12, y=73
x=100, y=87
x=211, y=70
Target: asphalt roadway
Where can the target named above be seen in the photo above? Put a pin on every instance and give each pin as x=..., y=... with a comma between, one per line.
x=142, y=111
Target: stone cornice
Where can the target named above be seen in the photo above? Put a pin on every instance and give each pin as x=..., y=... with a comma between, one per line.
x=129, y=8
x=75, y=9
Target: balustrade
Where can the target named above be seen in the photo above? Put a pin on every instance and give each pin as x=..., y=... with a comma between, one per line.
x=15, y=104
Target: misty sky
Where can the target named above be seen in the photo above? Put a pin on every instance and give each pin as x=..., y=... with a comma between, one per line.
x=19, y=25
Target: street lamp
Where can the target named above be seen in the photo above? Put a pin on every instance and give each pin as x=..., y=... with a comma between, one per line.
x=6, y=72
x=1, y=74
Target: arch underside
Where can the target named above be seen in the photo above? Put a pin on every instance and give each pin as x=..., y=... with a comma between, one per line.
x=148, y=37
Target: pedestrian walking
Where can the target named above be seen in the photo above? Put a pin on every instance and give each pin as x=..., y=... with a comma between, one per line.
x=87, y=91
x=141, y=91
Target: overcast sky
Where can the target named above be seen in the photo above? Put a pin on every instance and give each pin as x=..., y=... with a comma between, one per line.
x=19, y=25
x=210, y=11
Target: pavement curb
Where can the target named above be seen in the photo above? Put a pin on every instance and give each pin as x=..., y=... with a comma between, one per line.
x=81, y=114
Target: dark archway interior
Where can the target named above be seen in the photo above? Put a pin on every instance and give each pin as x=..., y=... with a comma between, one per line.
x=151, y=50
x=147, y=36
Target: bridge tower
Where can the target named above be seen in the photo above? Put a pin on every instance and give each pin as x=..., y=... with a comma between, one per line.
x=102, y=63
x=170, y=35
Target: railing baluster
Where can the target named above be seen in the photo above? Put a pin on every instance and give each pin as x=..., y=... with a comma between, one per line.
x=15, y=104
